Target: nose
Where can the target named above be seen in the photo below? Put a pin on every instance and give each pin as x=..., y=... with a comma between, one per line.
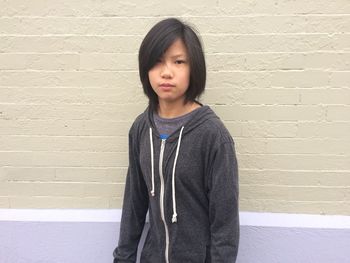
x=166, y=71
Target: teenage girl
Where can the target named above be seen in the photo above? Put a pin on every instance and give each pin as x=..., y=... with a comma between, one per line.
x=182, y=161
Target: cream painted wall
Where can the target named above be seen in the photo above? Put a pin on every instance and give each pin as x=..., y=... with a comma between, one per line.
x=278, y=76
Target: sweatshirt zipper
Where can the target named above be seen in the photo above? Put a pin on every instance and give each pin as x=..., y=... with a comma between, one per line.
x=162, y=200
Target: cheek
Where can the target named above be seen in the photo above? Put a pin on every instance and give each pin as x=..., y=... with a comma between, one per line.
x=151, y=77
x=186, y=77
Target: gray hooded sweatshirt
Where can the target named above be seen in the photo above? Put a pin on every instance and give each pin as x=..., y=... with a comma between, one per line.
x=189, y=184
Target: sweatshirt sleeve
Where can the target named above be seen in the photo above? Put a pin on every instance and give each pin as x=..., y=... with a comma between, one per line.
x=223, y=205
x=135, y=206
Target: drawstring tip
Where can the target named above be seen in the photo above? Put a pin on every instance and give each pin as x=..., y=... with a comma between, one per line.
x=174, y=220
x=152, y=193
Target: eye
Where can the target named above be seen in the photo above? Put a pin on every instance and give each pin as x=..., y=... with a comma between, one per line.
x=159, y=60
x=180, y=61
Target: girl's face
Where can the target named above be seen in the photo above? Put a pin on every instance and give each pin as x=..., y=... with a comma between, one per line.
x=170, y=76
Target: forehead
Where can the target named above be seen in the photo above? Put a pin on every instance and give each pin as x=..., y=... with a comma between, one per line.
x=177, y=48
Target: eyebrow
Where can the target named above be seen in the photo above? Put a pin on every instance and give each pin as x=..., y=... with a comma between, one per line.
x=178, y=55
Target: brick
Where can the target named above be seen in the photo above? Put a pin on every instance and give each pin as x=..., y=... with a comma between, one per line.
x=64, y=143
x=109, y=8
x=69, y=43
x=274, y=61
x=94, y=174
x=262, y=128
x=105, y=79
x=293, y=145
x=313, y=7
x=325, y=96
x=229, y=8
x=70, y=95
x=56, y=202
x=253, y=61
x=140, y=8
x=104, y=190
x=284, y=7
x=39, y=61
x=338, y=113
x=259, y=24
x=64, y=127
x=28, y=174
x=294, y=177
x=307, y=146
x=288, y=161
x=235, y=128
x=73, y=112
x=271, y=43
x=76, y=25
x=117, y=175
x=222, y=96
x=316, y=129
x=116, y=203
x=282, y=96
x=269, y=112
x=303, y=78
x=239, y=79
x=109, y=61
x=63, y=159
x=42, y=8
x=12, y=61
x=221, y=61
x=250, y=145
x=339, y=78
x=44, y=189
x=341, y=41
x=293, y=193
x=337, y=60
x=71, y=174
x=271, y=23
x=4, y=202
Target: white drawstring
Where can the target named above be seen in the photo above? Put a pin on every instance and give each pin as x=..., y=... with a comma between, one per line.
x=174, y=219
x=152, y=160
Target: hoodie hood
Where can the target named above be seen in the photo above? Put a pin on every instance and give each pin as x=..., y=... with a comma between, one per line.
x=201, y=115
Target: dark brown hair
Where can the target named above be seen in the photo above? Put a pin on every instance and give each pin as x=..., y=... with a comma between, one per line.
x=161, y=36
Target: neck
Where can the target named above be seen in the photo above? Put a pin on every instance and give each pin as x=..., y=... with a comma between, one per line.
x=173, y=110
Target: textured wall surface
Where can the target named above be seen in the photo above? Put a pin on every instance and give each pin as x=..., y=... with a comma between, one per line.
x=278, y=76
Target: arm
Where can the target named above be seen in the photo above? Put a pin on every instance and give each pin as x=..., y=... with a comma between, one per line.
x=223, y=205
x=135, y=206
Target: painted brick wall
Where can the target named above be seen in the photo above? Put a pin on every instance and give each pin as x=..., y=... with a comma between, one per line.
x=278, y=76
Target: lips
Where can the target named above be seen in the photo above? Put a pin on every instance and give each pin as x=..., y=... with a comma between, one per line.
x=166, y=86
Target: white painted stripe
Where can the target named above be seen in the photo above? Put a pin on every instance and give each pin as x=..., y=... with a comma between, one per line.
x=114, y=215
x=294, y=220
x=61, y=215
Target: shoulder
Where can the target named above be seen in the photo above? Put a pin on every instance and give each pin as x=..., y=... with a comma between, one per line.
x=216, y=129
x=138, y=124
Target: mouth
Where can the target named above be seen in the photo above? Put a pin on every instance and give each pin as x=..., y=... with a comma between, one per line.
x=166, y=85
